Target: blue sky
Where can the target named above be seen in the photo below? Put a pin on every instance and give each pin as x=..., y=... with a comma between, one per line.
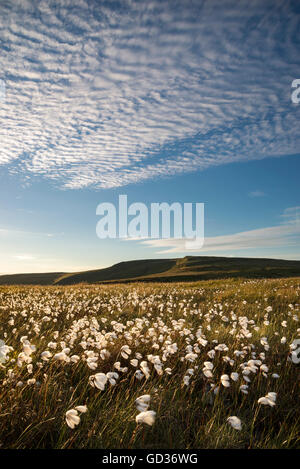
x=186, y=101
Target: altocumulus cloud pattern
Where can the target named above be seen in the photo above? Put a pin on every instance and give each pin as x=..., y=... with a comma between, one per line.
x=107, y=93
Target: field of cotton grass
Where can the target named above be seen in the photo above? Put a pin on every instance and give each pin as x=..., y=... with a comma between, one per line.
x=212, y=364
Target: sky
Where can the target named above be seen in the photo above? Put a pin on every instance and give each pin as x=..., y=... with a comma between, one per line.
x=163, y=101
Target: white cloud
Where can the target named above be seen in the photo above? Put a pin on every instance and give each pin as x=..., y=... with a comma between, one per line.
x=24, y=257
x=257, y=193
x=291, y=215
x=12, y=232
x=284, y=235
x=103, y=96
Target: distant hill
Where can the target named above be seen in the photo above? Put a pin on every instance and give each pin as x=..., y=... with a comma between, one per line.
x=30, y=279
x=188, y=268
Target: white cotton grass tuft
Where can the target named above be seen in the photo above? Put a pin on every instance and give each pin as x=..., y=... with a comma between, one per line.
x=134, y=362
x=244, y=388
x=145, y=369
x=112, y=377
x=81, y=408
x=147, y=417
x=207, y=369
x=235, y=422
x=99, y=381
x=4, y=350
x=142, y=403
x=139, y=375
x=225, y=381
x=295, y=355
x=269, y=399
x=72, y=417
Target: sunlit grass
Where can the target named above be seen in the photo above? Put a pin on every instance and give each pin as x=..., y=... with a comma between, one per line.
x=174, y=328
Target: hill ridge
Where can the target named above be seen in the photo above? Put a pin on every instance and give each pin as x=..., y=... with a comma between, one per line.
x=188, y=268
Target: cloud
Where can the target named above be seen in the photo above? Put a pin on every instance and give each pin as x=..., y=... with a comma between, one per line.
x=11, y=232
x=24, y=257
x=287, y=234
x=105, y=94
x=291, y=215
x=256, y=193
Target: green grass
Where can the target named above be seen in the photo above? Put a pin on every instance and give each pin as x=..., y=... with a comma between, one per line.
x=147, y=317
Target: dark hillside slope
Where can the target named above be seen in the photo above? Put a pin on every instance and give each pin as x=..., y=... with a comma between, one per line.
x=30, y=279
x=188, y=268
